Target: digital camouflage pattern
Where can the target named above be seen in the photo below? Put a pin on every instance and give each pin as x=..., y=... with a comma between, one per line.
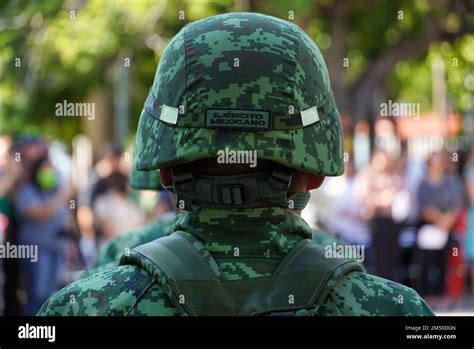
x=241, y=67
x=264, y=236
x=109, y=255
x=144, y=180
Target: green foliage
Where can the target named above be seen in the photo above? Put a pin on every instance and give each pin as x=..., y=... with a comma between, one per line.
x=59, y=50
x=411, y=80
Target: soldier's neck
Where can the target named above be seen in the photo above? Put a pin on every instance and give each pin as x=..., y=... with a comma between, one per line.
x=260, y=232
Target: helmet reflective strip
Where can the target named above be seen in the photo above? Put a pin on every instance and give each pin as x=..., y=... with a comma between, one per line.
x=309, y=116
x=169, y=114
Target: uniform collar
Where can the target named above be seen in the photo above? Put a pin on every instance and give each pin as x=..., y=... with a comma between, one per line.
x=259, y=232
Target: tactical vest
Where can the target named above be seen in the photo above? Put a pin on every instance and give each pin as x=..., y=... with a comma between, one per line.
x=192, y=279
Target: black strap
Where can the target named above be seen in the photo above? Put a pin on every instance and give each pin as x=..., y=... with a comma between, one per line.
x=237, y=191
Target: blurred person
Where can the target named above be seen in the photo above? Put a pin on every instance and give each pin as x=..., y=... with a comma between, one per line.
x=115, y=212
x=11, y=174
x=361, y=144
x=453, y=163
x=378, y=186
x=9, y=169
x=17, y=160
x=468, y=243
x=439, y=200
x=412, y=172
x=166, y=204
x=90, y=230
x=107, y=164
x=455, y=272
x=41, y=204
x=87, y=241
x=346, y=215
x=30, y=148
x=109, y=254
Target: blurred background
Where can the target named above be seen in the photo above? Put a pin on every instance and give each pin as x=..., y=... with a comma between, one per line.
x=403, y=77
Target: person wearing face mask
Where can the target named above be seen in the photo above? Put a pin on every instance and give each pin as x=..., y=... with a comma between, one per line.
x=42, y=203
x=439, y=199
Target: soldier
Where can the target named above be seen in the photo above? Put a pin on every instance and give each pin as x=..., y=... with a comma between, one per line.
x=227, y=86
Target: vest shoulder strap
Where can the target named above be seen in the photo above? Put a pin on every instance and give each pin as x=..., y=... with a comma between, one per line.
x=191, y=278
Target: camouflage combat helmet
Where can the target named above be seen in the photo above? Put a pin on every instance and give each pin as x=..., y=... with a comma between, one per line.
x=144, y=180
x=241, y=81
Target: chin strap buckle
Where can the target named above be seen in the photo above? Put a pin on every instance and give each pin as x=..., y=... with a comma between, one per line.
x=231, y=194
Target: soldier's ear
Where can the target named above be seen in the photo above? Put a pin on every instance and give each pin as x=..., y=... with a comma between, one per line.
x=314, y=182
x=166, y=176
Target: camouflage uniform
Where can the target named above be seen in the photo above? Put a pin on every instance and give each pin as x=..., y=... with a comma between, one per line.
x=109, y=255
x=242, y=81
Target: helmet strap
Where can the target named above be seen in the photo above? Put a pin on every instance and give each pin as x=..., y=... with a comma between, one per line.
x=237, y=191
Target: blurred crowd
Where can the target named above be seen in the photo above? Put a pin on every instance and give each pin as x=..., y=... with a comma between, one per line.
x=40, y=206
x=415, y=219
